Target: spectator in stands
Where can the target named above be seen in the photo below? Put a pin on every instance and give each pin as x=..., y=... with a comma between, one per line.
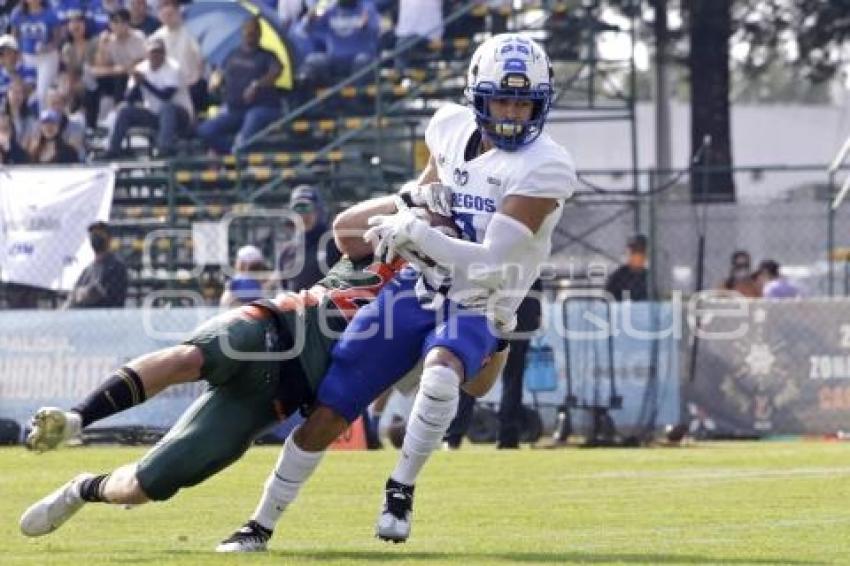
x=47, y=146
x=6, y=9
x=289, y=12
x=629, y=281
x=741, y=277
x=140, y=19
x=183, y=48
x=773, y=285
x=11, y=66
x=421, y=19
x=103, y=284
x=251, y=100
x=64, y=9
x=73, y=130
x=78, y=57
x=318, y=249
x=20, y=112
x=11, y=152
x=467, y=25
x=166, y=106
x=118, y=52
x=247, y=282
x=350, y=31
x=99, y=14
x=38, y=31
x=499, y=12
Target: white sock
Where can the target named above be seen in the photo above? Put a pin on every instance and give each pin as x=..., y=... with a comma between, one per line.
x=293, y=468
x=433, y=410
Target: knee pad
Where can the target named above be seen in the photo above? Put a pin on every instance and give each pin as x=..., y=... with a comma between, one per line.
x=440, y=389
x=440, y=383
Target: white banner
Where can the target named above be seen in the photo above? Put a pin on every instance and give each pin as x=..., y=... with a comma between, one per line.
x=44, y=216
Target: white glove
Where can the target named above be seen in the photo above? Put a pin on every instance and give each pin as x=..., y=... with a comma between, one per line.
x=436, y=197
x=389, y=232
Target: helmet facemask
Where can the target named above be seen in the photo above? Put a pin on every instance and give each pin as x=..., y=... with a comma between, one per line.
x=510, y=135
x=510, y=67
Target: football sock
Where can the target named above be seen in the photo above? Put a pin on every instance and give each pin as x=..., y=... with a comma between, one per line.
x=375, y=421
x=91, y=490
x=433, y=410
x=293, y=468
x=122, y=390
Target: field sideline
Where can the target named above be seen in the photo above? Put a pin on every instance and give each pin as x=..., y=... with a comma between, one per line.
x=718, y=503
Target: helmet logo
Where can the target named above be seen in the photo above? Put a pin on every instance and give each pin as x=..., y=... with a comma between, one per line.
x=515, y=65
x=460, y=177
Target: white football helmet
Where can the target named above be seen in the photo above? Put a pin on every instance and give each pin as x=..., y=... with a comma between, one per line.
x=510, y=65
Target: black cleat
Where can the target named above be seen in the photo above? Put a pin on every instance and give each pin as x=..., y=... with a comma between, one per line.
x=251, y=537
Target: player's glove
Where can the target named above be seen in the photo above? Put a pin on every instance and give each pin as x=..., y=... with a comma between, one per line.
x=436, y=197
x=389, y=232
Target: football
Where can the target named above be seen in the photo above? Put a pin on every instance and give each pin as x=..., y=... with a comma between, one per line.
x=445, y=223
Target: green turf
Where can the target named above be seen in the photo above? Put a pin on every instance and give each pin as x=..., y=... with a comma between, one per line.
x=743, y=503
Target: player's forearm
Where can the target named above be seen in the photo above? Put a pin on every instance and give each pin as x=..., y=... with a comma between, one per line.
x=483, y=381
x=351, y=223
x=505, y=240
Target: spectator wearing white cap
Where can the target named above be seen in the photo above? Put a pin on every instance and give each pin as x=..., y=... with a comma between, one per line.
x=12, y=66
x=246, y=284
x=166, y=106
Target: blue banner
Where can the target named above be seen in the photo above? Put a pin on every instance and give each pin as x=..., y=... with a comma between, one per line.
x=641, y=339
x=57, y=358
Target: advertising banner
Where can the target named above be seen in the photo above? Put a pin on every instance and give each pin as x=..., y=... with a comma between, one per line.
x=56, y=358
x=772, y=367
x=44, y=216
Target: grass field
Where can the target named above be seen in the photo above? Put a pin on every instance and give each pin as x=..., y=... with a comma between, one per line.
x=730, y=503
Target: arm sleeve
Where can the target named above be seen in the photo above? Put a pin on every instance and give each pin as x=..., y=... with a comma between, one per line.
x=504, y=240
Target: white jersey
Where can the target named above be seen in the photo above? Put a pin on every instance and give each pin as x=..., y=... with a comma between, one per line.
x=541, y=169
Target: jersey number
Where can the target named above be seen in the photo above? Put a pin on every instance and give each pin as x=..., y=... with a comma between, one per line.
x=464, y=221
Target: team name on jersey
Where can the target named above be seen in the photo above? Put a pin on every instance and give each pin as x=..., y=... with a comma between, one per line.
x=473, y=202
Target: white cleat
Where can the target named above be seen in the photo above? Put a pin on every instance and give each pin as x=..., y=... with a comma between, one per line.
x=48, y=514
x=396, y=516
x=391, y=528
x=52, y=427
x=251, y=537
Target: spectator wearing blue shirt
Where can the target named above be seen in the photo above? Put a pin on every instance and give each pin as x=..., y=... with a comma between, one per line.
x=141, y=19
x=350, y=31
x=99, y=12
x=37, y=29
x=245, y=285
x=251, y=101
x=773, y=285
x=11, y=66
x=65, y=8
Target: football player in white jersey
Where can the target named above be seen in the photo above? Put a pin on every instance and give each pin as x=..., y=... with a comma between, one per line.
x=509, y=182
